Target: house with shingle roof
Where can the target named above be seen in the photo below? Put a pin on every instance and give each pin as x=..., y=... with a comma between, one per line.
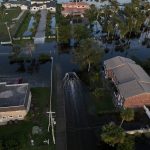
x=51, y=6
x=131, y=81
x=15, y=101
x=74, y=8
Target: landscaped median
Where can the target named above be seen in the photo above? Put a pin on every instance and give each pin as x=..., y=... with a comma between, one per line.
x=19, y=135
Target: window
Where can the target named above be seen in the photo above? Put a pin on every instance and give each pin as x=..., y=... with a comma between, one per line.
x=4, y=117
x=10, y=116
x=20, y=116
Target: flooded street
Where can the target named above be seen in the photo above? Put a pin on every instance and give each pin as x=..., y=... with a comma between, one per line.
x=79, y=132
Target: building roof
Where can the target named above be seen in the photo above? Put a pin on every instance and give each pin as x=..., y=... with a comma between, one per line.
x=40, y=1
x=51, y=4
x=130, y=89
x=73, y=10
x=132, y=79
x=76, y=3
x=13, y=96
x=117, y=61
x=22, y=2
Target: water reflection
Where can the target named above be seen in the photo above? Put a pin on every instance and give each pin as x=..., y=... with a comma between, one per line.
x=30, y=26
x=53, y=24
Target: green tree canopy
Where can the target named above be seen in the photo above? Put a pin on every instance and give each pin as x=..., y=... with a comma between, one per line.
x=112, y=134
x=91, y=13
x=64, y=33
x=128, y=144
x=127, y=115
x=89, y=53
x=81, y=32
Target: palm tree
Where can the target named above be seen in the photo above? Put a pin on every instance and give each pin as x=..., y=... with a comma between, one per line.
x=112, y=134
x=91, y=13
x=128, y=144
x=127, y=115
x=89, y=53
x=64, y=34
x=81, y=32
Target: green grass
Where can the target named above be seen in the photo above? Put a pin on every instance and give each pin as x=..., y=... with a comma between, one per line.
x=17, y=136
x=24, y=25
x=7, y=16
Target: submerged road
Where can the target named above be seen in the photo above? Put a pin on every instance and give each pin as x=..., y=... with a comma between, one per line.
x=40, y=34
x=79, y=135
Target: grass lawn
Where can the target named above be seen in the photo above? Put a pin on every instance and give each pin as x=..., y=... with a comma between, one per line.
x=8, y=15
x=17, y=136
x=24, y=25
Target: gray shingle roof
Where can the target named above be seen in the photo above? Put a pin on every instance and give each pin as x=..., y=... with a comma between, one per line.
x=132, y=79
x=117, y=61
x=12, y=96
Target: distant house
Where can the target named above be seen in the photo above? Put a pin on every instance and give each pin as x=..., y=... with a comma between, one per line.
x=22, y=4
x=51, y=6
x=74, y=8
x=15, y=101
x=131, y=82
x=40, y=1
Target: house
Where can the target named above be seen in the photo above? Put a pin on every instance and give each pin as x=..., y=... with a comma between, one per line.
x=51, y=6
x=131, y=82
x=97, y=3
x=15, y=101
x=74, y=8
x=40, y=1
x=36, y=7
x=22, y=4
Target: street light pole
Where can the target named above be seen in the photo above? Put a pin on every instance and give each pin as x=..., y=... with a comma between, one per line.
x=51, y=119
x=8, y=32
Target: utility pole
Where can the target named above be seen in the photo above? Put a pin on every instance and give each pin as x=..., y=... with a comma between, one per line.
x=51, y=119
x=8, y=32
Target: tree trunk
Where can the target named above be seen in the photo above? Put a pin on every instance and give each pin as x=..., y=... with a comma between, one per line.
x=89, y=67
x=121, y=122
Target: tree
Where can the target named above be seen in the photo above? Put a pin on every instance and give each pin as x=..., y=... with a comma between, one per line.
x=128, y=144
x=89, y=53
x=127, y=115
x=81, y=32
x=64, y=34
x=2, y=12
x=112, y=134
x=91, y=13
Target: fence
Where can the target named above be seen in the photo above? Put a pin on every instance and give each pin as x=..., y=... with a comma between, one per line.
x=143, y=130
x=6, y=43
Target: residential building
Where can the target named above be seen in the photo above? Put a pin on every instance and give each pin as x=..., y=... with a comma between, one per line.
x=15, y=101
x=51, y=6
x=40, y=1
x=97, y=3
x=132, y=83
x=74, y=8
x=22, y=4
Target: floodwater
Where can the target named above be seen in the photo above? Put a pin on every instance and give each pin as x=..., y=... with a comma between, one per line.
x=136, y=50
x=79, y=134
x=30, y=26
x=53, y=25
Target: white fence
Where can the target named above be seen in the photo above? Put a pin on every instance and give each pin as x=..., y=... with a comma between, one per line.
x=143, y=130
x=6, y=43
